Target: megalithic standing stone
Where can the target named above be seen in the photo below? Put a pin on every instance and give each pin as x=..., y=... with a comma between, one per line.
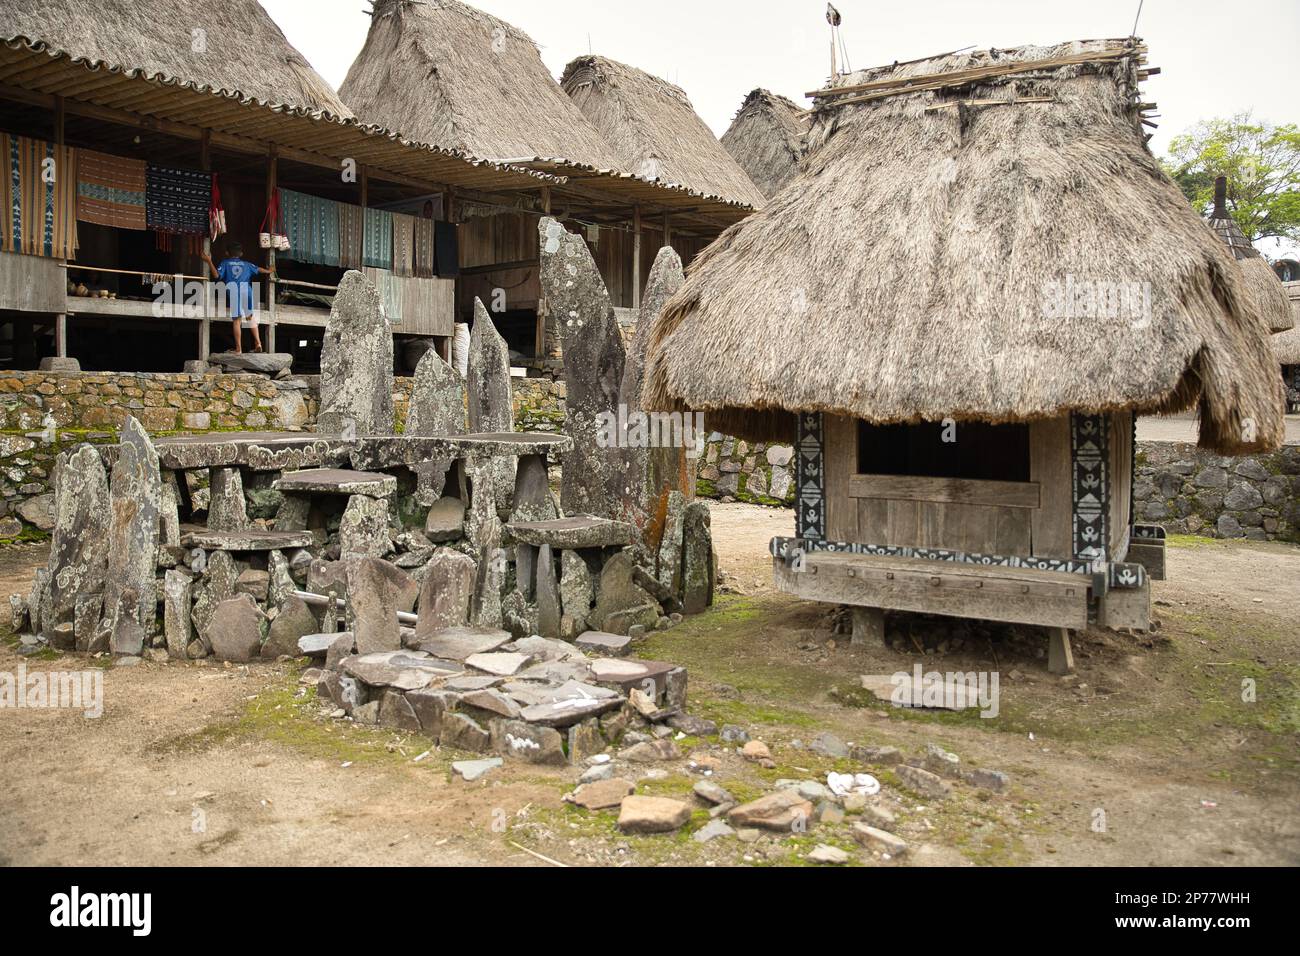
x=356, y=362
x=594, y=476
x=134, y=503
x=490, y=400
x=655, y=471
x=437, y=407
x=79, y=545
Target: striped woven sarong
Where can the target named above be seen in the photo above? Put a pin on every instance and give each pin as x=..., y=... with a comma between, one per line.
x=177, y=200
x=377, y=246
x=110, y=190
x=352, y=225
x=424, y=258
x=38, y=196
x=312, y=225
x=403, y=244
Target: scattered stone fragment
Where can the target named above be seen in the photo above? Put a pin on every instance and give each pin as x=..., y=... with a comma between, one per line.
x=693, y=726
x=731, y=734
x=879, y=817
x=756, y=751
x=396, y=711
x=650, y=751
x=294, y=622
x=601, y=771
x=445, y=520
x=526, y=742
x=471, y=770
x=461, y=643
x=922, y=781
x=881, y=840
x=828, y=745
x=994, y=780
x=462, y=732
x=253, y=583
x=824, y=853
x=942, y=762
x=607, y=645
x=883, y=756
x=712, y=830
x=782, y=810
x=711, y=792
x=493, y=702
x=641, y=814
x=602, y=794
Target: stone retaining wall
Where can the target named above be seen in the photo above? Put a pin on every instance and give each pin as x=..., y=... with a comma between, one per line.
x=44, y=413
x=732, y=469
x=1192, y=491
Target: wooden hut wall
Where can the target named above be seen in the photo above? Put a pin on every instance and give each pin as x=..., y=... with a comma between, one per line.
x=990, y=517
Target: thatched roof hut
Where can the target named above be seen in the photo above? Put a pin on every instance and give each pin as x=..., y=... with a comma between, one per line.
x=767, y=139
x=235, y=49
x=1286, y=345
x=654, y=130
x=980, y=235
x=1261, y=282
x=444, y=72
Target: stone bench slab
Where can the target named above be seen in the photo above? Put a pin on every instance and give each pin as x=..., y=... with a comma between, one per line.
x=575, y=531
x=252, y=539
x=336, y=481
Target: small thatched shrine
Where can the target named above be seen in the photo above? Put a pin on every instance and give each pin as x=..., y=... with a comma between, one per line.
x=976, y=281
x=767, y=138
x=1262, y=283
x=653, y=128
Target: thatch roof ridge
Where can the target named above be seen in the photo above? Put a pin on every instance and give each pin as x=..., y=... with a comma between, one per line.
x=653, y=128
x=931, y=260
x=245, y=55
x=767, y=138
x=443, y=71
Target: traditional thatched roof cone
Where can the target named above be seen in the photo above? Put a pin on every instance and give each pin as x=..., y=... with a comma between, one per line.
x=767, y=139
x=940, y=257
x=235, y=49
x=1261, y=281
x=654, y=129
x=443, y=72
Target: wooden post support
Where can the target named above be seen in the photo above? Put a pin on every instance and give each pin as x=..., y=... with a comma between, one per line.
x=668, y=229
x=868, y=626
x=1060, y=659
x=61, y=335
x=272, y=174
x=636, y=257
x=546, y=200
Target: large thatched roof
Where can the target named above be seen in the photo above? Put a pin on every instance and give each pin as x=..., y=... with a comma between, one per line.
x=239, y=52
x=444, y=72
x=654, y=130
x=1262, y=283
x=767, y=140
x=1286, y=345
x=940, y=256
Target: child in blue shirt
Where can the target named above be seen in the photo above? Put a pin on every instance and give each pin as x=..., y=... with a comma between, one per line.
x=237, y=276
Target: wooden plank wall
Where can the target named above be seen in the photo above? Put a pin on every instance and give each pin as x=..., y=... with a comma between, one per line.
x=32, y=283
x=954, y=514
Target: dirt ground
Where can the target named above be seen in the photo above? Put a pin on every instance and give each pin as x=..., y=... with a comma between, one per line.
x=1149, y=755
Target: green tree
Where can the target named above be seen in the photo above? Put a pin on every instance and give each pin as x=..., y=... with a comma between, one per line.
x=1261, y=162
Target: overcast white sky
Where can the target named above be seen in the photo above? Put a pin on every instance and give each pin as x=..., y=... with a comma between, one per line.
x=1216, y=57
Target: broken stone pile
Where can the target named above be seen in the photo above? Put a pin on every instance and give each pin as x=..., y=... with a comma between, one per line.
x=532, y=699
x=240, y=546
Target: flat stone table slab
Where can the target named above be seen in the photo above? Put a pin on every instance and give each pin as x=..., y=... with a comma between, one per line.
x=252, y=539
x=257, y=451
x=575, y=531
x=336, y=481
x=627, y=674
x=396, y=451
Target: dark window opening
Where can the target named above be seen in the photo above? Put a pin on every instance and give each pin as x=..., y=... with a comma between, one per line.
x=976, y=451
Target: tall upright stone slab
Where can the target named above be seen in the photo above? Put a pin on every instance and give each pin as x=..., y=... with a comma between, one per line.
x=134, y=506
x=447, y=595
x=697, y=558
x=79, y=543
x=594, y=478
x=374, y=593
x=652, y=472
x=356, y=381
x=363, y=529
x=548, y=593
x=491, y=406
x=437, y=407
x=227, y=509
